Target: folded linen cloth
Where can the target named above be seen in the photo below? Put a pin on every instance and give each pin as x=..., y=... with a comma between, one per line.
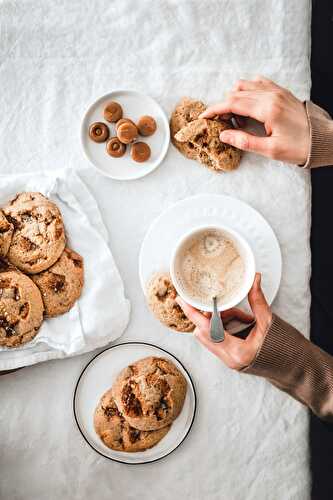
x=102, y=312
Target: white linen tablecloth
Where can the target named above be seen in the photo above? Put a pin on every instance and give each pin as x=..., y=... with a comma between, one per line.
x=249, y=441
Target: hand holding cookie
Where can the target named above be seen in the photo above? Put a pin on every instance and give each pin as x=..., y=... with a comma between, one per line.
x=283, y=115
x=199, y=139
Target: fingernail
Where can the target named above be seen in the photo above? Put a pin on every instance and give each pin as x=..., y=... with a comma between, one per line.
x=225, y=137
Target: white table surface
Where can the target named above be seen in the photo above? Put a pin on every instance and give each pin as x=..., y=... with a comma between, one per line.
x=249, y=440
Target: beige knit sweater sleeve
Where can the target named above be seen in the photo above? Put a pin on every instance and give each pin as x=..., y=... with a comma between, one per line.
x=286, y=358
x=321, y=132
x=296, y=366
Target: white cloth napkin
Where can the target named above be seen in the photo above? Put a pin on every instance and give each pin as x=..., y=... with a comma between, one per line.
x=102, y=312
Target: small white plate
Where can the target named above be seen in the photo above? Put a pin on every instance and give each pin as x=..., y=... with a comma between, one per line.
x=99, y=375
x=209, y=209
x=134, y=105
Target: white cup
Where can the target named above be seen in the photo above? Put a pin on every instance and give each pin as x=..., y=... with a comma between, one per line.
x=245, y=253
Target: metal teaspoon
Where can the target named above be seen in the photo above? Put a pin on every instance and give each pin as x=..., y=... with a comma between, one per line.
x=216, y=324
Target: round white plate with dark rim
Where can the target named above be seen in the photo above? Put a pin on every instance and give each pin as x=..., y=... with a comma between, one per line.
x=134, y=105
x=210, y=209
x=99, y=375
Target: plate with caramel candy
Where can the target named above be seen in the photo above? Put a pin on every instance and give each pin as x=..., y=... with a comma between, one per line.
x=125, y=135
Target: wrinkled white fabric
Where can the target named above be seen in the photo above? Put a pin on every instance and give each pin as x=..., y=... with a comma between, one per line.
x=102, y=312
x=249, y=441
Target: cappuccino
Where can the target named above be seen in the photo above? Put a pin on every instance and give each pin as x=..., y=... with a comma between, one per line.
x=208, y=265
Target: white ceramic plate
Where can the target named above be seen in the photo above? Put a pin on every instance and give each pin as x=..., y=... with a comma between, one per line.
x=99, y=375
x=134, y=105
x=209, y=209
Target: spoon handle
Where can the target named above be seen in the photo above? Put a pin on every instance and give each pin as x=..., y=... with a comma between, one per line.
x=216, y=324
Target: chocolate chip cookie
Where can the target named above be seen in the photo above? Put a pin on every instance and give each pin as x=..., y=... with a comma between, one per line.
x=61, y=284
x=6, y=233
x=117, y=434
x=150, y=393
x=21, y=307
x=39, y=235
x=204, y=136
x=161, y=296
x=185, y=112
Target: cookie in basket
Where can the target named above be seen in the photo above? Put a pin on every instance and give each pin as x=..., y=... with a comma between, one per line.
x=6, y=233
x=39, y=235
x=21, y=307
x=61, y=285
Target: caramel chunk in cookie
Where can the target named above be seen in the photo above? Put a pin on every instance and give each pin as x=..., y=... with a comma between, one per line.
x=115, y=148
x=146, y=125
x=113, y=112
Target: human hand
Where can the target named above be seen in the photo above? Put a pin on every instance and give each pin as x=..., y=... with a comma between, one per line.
x=236, y=353
x=283, y=115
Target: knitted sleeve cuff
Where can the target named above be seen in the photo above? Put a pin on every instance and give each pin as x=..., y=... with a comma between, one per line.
x=321, y=137
x=277, y=352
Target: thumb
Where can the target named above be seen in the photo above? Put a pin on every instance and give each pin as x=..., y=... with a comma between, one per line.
x=246, y=142
x=258, y=303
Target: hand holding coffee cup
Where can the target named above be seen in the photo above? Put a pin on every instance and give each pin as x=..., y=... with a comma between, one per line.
x=236, y=353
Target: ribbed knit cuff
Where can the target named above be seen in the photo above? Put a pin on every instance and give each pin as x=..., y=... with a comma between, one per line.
x=295, y=365
x=277, y=353
x=321, y=137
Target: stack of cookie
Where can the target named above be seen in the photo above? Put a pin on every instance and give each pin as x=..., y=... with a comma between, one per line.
x=138, y=411
x=199, y=139
x=39, y=277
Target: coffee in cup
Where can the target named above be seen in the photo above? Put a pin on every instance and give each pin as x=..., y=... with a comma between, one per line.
x=212, y=262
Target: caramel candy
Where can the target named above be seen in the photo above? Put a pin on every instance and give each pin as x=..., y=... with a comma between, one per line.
x=123, y=120
x=140, y=152
x=98, y=132
x=115, y=148
x=113, y=112
x=127, y=132
x=146, y=125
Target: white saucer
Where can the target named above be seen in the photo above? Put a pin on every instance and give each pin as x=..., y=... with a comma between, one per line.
x=162, y=236
x=134, y=105
x=99, y=375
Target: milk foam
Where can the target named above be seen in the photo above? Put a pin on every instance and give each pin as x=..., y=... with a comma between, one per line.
x=209, y=265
